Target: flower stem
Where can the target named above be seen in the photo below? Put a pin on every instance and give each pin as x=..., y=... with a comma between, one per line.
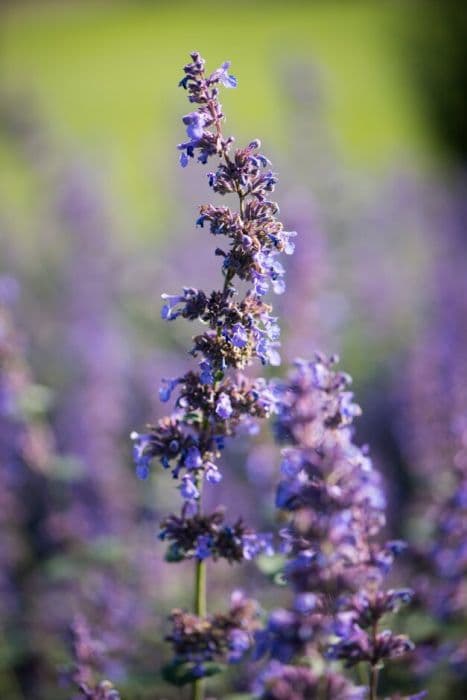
x=200, y=588
x=374, y=667
x=198, y=689
x=199, y=598
x=374, y=672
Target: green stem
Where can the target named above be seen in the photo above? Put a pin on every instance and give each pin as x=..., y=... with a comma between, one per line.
x=200, y=597
x=361, y=674
x=200, y=610
x=374, y=672
x=9, y=683
x=374, y=668
x=200, y=588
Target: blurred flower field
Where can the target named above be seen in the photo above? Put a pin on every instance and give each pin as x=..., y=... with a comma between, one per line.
x=97, y=220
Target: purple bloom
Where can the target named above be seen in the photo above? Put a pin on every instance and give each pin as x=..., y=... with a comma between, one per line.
x=203, y=547
x=193, y=458
x=228, y=81
x=292, y=462
x=167, y=312
x=195, y=125
x=141, y=458
x=305, y=602
x=239, y=335
x=256, y=544
x=289, y=246
x=224, y=407
x=206, y=376
x=188, y=489
x=165, y=391
x=213, y=475
x=239, y=642
x=267, y=352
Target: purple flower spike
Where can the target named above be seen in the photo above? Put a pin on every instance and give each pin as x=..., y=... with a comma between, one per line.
x=218, y=400
x=336, y=507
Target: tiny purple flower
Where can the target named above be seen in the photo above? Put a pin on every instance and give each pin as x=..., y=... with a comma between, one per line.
x=166, y=389
x=239, y=643
x=239, y=335
x=188, y=489
x=195, y=125
x=224, y=407
x=203, y=547
x=193, y=458
x=213, y=475
x=222, y=75
x=257, y=544
x=167, y=313
x=206, y=376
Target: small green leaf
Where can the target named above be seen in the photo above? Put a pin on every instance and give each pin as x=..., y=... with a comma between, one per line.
x=182, y=672
x=193, y=415
x=173, y=554
x=270, y=565
x=36, y=400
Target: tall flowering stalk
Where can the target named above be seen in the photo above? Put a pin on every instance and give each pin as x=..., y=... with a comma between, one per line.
x=87, y=653
x=216, y=400
x=26, y=453
x=434, y=435
x=336, y=567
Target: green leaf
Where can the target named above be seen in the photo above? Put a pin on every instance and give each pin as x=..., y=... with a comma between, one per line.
x=182, y=672
x=270, y=565
x=193, y=415
x=35, y=400
x=173, y=554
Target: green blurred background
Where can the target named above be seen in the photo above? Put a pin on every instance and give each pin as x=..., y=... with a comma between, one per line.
x=103, y=75
x=358, y=104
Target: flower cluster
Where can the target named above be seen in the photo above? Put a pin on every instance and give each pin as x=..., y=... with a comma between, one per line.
x=192, y=438
x=335, y=565
x=280, y=682
x=197, y=641
x=204, y=536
